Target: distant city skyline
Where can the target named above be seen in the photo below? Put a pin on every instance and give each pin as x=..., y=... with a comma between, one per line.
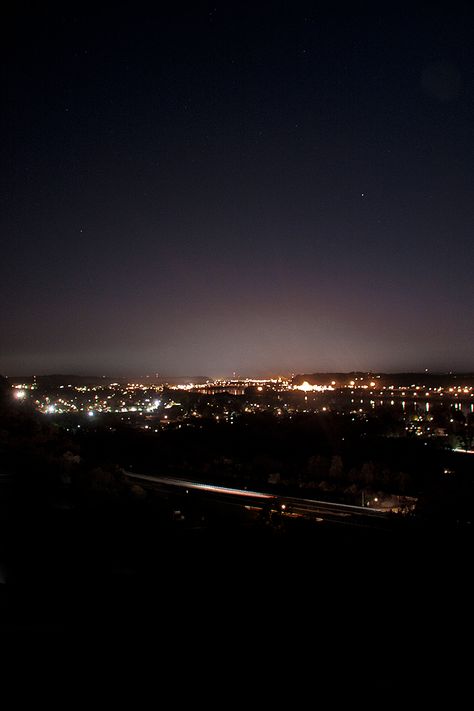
x=284, y=375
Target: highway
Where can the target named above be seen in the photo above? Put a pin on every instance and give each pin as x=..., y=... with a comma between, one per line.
x=313, y=509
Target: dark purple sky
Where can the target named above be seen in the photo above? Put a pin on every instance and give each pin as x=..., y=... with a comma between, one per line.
x=243, y=187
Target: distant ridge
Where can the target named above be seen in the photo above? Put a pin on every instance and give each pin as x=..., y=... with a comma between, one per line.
x=56, y=379
x=60, y=379
x=397, y=379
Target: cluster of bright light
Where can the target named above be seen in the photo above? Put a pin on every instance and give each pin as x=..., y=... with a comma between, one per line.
x=251, y=381
x=307, y=388
x=154, y=406
x=280, y=383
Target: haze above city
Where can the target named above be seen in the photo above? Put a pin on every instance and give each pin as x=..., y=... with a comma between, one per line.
x=225, y=189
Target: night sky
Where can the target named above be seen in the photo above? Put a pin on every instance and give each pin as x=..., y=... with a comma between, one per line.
x=248, y=187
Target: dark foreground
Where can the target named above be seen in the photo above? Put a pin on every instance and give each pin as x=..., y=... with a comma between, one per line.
x=225, y=597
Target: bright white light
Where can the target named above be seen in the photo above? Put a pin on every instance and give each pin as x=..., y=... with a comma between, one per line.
x=306, y=387
x=20, y=394
x=91, y=413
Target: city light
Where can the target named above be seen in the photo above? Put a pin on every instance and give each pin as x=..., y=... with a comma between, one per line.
x=306, y=387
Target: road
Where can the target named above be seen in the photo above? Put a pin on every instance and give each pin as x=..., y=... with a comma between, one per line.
x=319, y=511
